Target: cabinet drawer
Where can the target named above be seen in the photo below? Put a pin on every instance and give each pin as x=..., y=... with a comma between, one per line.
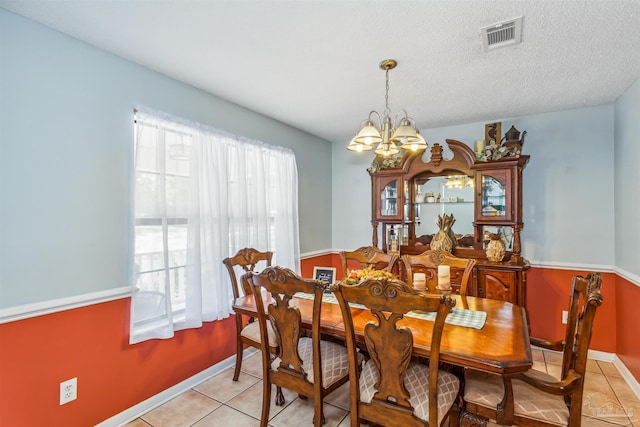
x=497, y=284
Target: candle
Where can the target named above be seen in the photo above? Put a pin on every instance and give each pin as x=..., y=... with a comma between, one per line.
x=419, y=281
x=444, y=277
x=479, y=146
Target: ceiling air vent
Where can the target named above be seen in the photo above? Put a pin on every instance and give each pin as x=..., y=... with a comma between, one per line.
x=502, y=34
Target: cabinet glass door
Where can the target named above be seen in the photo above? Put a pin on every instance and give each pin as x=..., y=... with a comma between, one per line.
x=494, y=196
x=389, y=200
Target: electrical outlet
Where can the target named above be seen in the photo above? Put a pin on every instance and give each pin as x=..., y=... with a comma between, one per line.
x=565, y=317
x=68, y=390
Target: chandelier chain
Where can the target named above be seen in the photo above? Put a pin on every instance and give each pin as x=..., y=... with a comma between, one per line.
x=387, y=111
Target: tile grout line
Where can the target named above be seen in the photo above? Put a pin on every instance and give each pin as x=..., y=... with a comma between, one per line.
x=626, y=410
x=546, y=360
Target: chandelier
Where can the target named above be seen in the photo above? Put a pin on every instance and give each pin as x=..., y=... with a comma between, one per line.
x=384, y=132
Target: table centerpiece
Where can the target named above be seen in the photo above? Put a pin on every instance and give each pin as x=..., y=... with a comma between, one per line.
x=355, y=277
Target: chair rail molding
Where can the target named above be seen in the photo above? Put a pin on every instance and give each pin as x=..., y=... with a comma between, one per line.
x=27, y=311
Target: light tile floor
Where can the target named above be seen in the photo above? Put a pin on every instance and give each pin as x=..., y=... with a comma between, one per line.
x=608, y=400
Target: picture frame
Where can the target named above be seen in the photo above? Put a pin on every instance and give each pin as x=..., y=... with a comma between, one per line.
x=325, y=274
x=492, y=131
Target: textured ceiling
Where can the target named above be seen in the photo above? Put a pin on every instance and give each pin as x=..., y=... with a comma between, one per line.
x=314, y=64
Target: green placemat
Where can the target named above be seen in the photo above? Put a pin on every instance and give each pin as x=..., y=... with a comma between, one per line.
x=458, y=316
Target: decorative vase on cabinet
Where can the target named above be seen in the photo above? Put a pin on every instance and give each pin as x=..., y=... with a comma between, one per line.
x=495, y=249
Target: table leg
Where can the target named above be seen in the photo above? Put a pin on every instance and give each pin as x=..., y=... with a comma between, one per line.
x=505, y=407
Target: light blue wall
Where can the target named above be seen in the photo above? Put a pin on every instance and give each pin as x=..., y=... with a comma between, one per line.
x=66, y=143
x=568, y=185
x=627, y=180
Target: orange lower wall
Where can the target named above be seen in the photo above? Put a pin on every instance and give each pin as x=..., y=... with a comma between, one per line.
x=548, y=293
x=91, y=343
x=327, y=260
x=616, y=324
x=628, y=325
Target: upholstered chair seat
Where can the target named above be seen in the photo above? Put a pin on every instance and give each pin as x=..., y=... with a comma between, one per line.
x=252, y=332
x=335, y=360
x=487, y=390
x=417, y=383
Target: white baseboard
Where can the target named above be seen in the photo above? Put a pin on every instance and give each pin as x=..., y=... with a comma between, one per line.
x=153, y=402
x=602, y=356
x=618, y=363
x=627, y=375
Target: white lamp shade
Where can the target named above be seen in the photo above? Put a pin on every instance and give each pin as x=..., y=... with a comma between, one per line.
x=358, y=148
x=368, y=135
x=405, y=132
x=387, y=149
x=419, y=144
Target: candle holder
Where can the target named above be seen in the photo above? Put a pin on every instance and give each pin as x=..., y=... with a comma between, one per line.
x=442, y=291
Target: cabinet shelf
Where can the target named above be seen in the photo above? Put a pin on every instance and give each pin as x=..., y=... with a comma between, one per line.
x=444, y=203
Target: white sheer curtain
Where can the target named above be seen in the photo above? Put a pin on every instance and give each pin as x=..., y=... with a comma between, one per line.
x=201, y=195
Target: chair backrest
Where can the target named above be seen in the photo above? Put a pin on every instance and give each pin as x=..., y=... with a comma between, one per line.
x=283, y=284
x=390, y=346
x=428, y=262
x=247, y=259
x=585, y=299
x=368, y=257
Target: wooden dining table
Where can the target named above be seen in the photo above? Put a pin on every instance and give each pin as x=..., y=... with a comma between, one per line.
x=501, y=346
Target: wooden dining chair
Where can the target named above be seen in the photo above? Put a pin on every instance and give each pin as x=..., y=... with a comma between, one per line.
x=367, y=257
x=390, y=389
x=428, y=262
x=536, y=398
x=246, y=259
x=310, y=367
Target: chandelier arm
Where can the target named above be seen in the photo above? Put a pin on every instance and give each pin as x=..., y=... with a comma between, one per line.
x=374, y=112
x=406, y=116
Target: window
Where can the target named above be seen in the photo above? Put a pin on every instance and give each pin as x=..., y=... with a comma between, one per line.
x=200, y=195
x=161, y=201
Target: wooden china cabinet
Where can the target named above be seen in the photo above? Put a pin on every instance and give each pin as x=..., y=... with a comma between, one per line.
x=483, y=196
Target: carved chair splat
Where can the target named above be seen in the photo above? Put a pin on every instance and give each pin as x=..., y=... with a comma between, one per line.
x=391, y=389
x=367, y=257
x=309, y=366
x=428, y=263
x=246, y=259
